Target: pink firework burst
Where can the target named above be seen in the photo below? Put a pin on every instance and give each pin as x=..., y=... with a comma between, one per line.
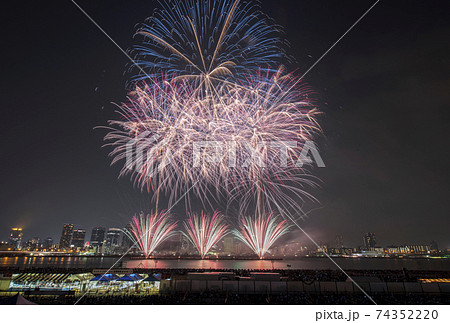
x=204, y=231
x=261, y=231
x=149, y=231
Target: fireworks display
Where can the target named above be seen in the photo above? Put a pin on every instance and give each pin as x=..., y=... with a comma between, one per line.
x=205, y=231
x=211, y=116
x=243, y=125
x=149, y=231
x=260, y=232
x=208, y=39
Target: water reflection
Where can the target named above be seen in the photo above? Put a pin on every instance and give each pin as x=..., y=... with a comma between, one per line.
x=308, y=263
x=208, y=264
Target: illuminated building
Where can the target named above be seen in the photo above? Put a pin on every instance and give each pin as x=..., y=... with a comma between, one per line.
x=341, y=251
x=48, y=243
x=97, y=236
x=419, y=249
x=323, y=247
x=78, y=238
x=4, y=245
x=66, y=236
x=34, y=244
x=113, y=237
x=15, y=238
x=369, y=240
x=411, y=249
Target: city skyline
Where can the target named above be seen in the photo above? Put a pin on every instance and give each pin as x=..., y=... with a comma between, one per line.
x=117, y=238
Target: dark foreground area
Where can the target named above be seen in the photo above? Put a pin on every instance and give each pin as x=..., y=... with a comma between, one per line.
x=211, y=298
x=259, y=287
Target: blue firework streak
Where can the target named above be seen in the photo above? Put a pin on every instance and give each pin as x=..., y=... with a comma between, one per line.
x=205, y=40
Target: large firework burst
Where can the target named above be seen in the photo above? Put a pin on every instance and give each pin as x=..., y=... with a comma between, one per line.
x=208, y=39
x=210, y=116
x=261, y=231
x=205, y=231
x=227, y=142
x=149, y=231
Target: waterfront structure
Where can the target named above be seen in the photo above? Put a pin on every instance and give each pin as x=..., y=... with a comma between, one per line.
x=419, y=249
x=15, y=238
x=409, y=249
x=97, y=237
x=341, y=251
x=66, y=236
x=78, y=237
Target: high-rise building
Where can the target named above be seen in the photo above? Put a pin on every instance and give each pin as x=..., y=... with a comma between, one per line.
x=240, y=249
x=15, y=237
x=78, y=238
x=66, y=236
x=434, y=246
x=113, y=237
x=339, y=241
x=48, y=243
x=97, y=236
x=228, y=245
x=369, y=240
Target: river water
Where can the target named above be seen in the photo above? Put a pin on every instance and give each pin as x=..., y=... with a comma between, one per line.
x=301, y=263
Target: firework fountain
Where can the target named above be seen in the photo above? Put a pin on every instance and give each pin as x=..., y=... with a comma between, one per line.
x=204, y=231
x=261, y=231
x=149, y=231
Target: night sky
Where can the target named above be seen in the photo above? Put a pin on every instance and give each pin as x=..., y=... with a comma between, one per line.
x=384, y=90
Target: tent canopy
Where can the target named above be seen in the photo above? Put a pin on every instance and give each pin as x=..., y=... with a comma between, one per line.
x=151, y=278
x=125, y=278
x=42, y=278
x=130, y=277
x=105, y=278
